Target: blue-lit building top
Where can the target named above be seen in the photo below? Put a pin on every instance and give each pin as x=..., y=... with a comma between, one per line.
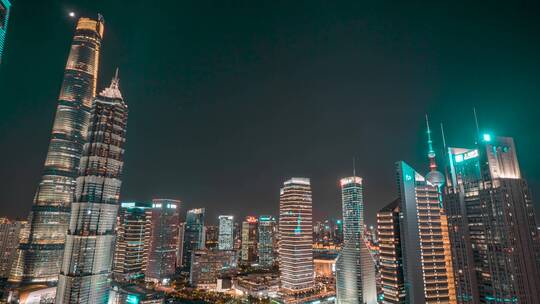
x=5, y=7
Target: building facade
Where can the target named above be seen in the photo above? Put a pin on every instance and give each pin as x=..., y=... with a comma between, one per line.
x=427, y=264
x=5, y=8
x=40, y=257
x=208, y=265
x=132, y=241
x=86, y=266
x=267, y=240
x=390, y=255
x=249, y=240
x=163, y=240
x=355, y=267
x=296, y=236
x=226, y=232
x=10, y=231
x=496, y=254
x=193, y=235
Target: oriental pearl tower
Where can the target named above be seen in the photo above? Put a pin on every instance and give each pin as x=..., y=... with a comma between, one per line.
x=435, y=177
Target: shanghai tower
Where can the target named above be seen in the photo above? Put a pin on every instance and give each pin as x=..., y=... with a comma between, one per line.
x=40, y=255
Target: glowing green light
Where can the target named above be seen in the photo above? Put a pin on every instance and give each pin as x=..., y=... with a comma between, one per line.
x=487, y=137
x=459, y=158
x=132, y=299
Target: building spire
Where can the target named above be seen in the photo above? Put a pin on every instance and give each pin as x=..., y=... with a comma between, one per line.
x=353, y=166
x=113, y=91
x=431, y=152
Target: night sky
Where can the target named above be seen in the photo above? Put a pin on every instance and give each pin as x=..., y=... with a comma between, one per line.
x=227, y=100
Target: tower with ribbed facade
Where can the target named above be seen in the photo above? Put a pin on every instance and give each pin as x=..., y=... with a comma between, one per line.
x=355, y=267
x=296, y=236
x=87, y=260
x=39, y=257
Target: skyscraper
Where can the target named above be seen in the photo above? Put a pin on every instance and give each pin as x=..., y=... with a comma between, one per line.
x=492, y=220
x=390, y=255
x=428, y=273
x=355, y=267
x=267, y=239
x=5, y=7
x=226, y=232
x=9, y=240
x=40, y=256
x=193, y=235
x=132, y=241
x=163, y=240
x=249, y=240
x=296, y=236
x=86, y=266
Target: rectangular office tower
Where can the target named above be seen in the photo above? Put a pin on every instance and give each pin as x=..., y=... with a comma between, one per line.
x=132, y=241
x=355, y=267
x=249, y=240
x=267, y=240
x=86, y=266
x=427, y=266
x=40, y=256
x=4, y=18
x=226, y=232
x=9, y=240
x=390, y=255
x=161, y=265
x=296, y=236
x=493, y=229
x=193, y=235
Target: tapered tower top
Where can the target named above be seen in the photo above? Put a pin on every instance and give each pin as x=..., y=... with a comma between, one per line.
x=113, y=91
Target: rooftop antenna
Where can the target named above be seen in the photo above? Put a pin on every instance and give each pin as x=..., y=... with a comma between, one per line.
x=477, y=127
x=353, y=166
x=431, y=152
x=443, y=137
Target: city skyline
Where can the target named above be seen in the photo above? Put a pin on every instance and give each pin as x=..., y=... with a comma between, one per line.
x=213, y=83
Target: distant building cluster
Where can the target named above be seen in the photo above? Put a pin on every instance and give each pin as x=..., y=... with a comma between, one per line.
x=465, y=234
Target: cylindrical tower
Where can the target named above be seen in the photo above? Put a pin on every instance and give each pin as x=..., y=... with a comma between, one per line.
x=40, y=256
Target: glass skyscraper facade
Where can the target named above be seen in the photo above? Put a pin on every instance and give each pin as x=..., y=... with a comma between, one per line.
x=267, y=240
x=5, y=8
x=163, y=240
x=40, y=256
x=89, y=248
x=355, y=267
x=9, y=240
x=226, y=232
x=193, y=235
x=296, y=236
x=390, y=255
x=493, y=228
x=132, y=241
x=427, y=263
x=249, y=240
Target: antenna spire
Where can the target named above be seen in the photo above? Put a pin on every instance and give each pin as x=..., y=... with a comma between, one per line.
x=353, y=166
x=477, y=127
x=431, y=152
x=443, y=137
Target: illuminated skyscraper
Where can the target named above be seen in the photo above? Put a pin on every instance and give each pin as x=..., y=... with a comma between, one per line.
x=355, y=267
x=296, y=236
x=163, y=240
x=86, y=266
x=390, y=255
x=132, y=241
x=428, y=273
x=193, y=235
x=249, y=240
x=493, y=228
x=40, y=256
x=5, y=7
x=226, y=232
x=9, y=240
x=267, y=239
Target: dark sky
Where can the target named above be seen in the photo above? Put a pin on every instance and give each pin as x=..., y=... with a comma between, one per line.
x=228, y=99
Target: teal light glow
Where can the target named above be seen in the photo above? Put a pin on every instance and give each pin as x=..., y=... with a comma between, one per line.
x=132, y=299
x=459, y=158
x=487, y=137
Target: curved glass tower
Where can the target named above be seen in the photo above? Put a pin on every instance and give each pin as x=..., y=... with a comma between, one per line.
x=40, y=256
x=86, y=266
